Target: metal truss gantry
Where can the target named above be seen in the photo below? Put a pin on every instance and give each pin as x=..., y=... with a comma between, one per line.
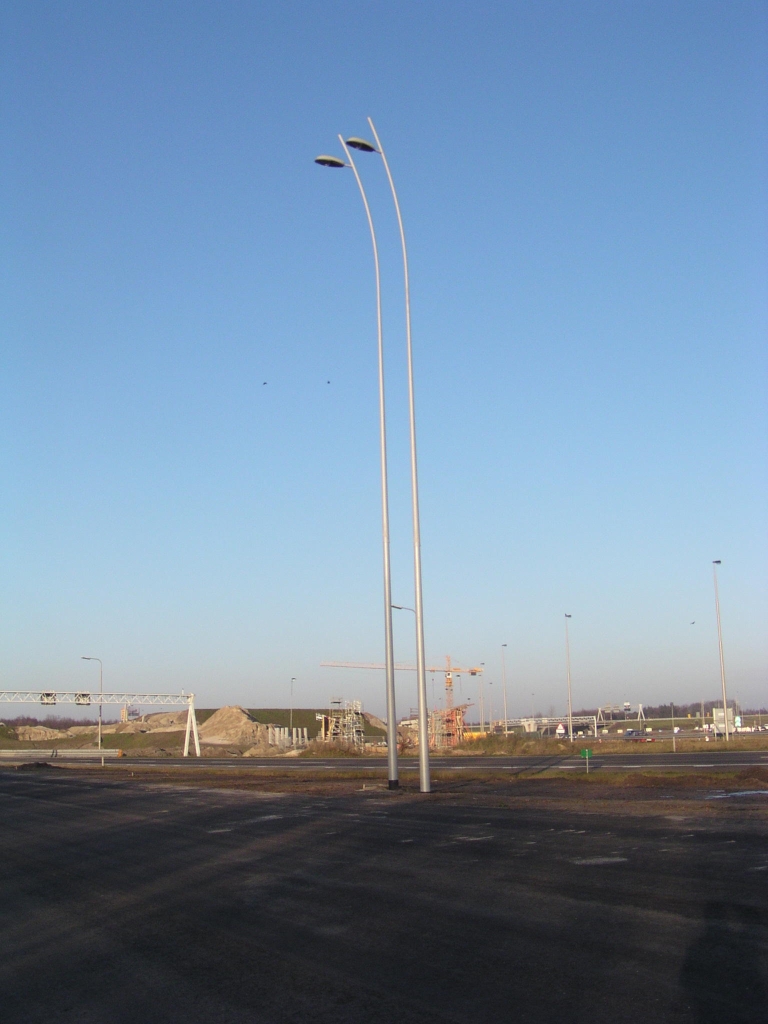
x=536, y=723
x=84, y=698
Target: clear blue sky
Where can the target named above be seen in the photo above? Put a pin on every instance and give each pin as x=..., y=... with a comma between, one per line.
x=583, y=186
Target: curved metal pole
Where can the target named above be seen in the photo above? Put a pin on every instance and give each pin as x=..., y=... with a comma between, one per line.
x=720, y=644
x=389, y=657
x=421, y=680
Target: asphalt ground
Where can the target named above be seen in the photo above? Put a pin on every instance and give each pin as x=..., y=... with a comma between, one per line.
x=528, y=900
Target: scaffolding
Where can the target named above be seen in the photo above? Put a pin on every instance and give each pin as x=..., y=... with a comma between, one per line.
x=446, y=727
x=344, y=724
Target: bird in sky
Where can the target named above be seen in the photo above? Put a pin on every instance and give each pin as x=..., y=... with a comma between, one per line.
x=694, y=622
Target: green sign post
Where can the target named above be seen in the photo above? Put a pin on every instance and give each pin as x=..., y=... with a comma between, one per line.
x=586, y=753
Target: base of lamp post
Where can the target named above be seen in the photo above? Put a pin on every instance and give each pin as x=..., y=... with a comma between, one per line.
x=393, y=784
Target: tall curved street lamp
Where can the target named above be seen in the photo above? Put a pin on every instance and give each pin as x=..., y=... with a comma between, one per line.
x=720, y=645
x=101, y=687
x=424, y=780
x=568, y=672
x=392, y=772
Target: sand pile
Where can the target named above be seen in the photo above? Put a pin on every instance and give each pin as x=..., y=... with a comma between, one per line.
x=233, y=725
x=162, y=721
x=35, y=733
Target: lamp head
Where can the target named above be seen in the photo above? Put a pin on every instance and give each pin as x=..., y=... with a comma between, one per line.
x=568, y=616
x=717, y=562
x=361, y=144
x=329, y=161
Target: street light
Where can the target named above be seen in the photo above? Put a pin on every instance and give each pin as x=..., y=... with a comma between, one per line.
x=504, y=685
x=424, y=781
x=481, y=691
x=293, y=680
x=335, y=162
x=715, y=564
x=568, y=670
x=101, y=687
x=672, y=708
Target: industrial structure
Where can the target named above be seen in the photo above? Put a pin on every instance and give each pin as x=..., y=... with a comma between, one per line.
x=446, y=725
x=343, y=724
x=84, y=698
x=612, y=711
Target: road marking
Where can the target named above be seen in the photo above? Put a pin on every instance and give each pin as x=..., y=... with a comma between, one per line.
x=599, y=861
x=743, y=792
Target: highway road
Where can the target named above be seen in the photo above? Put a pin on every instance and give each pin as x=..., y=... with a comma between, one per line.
x=127, y=902
x=717, y=760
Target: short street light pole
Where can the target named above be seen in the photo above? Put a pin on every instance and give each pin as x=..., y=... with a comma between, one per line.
x=568, y=671
x=720, y=644
x=672, y=708
x=481, y=691
x=504, y=684
x=101, y=687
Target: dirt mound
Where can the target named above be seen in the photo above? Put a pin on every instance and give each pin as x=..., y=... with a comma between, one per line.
x=233, y=725
x=35, y=733
x=163, y=721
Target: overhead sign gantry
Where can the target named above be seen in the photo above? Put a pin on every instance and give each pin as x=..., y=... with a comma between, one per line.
x=85, y=698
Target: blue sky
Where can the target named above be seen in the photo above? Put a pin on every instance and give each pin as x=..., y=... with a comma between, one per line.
x=583, y=187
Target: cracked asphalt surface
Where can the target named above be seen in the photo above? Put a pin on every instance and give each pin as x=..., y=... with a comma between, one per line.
x=127, y=900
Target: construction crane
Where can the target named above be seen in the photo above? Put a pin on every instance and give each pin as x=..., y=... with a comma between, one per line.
x=446, y=727
x=449, y=669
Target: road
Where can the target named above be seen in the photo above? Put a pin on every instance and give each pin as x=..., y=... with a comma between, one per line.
x=128, y=902
x=718, y=760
